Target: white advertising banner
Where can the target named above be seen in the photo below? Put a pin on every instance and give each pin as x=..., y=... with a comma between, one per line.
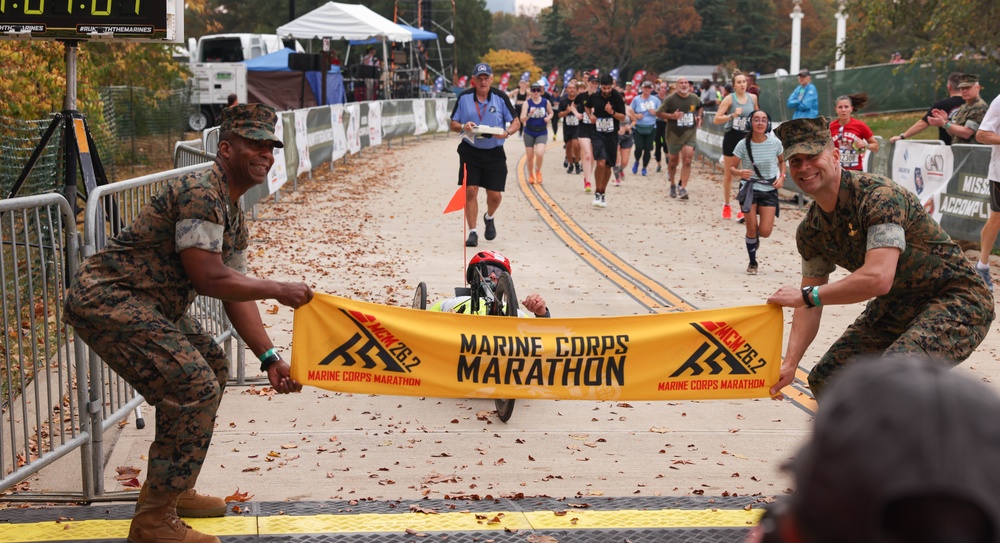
x=339, y=134
x=419, y=117
x=374, y=124
x=302, y=140
x=924, y=170
x=278, y=175
x=353, y=125
x=441, y=110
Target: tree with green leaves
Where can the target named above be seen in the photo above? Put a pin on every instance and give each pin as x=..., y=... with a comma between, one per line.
x=942, y=30
x=556, y=46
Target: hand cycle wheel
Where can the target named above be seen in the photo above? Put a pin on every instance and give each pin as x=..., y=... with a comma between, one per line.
x=420, y=296
x=505, y=305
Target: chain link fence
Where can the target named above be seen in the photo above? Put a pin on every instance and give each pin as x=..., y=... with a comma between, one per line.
x=136, y=137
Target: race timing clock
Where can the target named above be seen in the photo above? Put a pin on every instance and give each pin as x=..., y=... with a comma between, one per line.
x=108, y=20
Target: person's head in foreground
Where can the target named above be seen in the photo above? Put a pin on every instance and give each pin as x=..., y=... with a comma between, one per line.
x=903, y=450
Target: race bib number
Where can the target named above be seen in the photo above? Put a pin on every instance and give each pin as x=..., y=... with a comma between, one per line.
x=686, y=120
x=586, y=118
x=537, y=113
x=740, y=123
x=571, y=120
x=848, y=157
x=606, y=125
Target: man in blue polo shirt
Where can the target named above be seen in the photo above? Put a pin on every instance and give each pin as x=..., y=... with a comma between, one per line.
x=482, y=160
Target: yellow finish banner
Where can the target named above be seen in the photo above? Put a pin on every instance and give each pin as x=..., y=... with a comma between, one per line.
x=349, y=346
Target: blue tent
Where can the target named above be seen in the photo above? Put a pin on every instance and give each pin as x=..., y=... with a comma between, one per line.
x=418, y=35
x=278, y=62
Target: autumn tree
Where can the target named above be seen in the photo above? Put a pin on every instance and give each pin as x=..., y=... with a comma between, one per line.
x=515, y=62
x=629, y=34
x=942, y=29
x=514, y=32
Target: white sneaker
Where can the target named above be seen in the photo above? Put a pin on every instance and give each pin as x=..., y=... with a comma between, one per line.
x=604, y=203
x=597, y=200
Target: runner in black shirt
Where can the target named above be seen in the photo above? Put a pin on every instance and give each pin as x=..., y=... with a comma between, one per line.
x=606, y=108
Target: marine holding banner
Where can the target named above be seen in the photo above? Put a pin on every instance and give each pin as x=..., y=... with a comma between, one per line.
x=924, y=297
x=351, y=346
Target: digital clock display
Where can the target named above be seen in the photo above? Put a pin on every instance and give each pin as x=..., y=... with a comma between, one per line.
x=87, y=19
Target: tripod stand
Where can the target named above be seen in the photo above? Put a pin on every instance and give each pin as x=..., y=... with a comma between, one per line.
x=78, y=142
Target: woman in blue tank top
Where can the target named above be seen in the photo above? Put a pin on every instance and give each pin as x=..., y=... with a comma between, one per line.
x=535, y=116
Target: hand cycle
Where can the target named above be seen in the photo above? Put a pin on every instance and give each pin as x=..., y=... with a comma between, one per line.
x=499, y=300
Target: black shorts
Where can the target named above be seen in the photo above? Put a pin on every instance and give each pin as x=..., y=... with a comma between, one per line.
x=995, y=196
x=485, y=168
x=571, y=132
x=606, y=147
x=586, y=131
x=729, y=141
x=766, y=198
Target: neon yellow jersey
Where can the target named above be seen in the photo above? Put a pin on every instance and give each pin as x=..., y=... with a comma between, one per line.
x=461, y=304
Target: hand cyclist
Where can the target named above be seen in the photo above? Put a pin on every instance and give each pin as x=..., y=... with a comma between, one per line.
x=491, y=264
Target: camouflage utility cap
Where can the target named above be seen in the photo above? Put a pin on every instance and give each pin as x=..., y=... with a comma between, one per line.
x=966, y=81
x=805, y=136
x=251, y=121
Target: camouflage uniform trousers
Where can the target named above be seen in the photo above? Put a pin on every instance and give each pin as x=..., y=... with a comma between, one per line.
x=947, y=329
x=183, y=376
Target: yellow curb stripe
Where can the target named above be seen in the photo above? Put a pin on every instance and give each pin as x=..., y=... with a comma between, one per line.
x=572, y=519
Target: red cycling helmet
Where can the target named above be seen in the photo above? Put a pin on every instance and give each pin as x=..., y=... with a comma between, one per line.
x=485, y=260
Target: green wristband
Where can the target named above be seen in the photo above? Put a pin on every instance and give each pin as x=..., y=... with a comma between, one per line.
x=270, y=352
x=815, y=297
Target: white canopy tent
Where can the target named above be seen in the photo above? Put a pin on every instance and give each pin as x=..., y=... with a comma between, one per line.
x=345, y=21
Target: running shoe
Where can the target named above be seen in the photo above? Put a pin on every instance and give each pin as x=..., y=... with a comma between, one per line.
x=569, y=169
x=644, y=173
x=740, y=217
x=538, y=177
x=673, y=191
x=635, y=168
x=618, y=182
x=727, y=212
x=752, y=269
x=659, y=167
x=473, y=240
x=985, y=274
x=565, y=163
x=604, y=202
x=579, y=168
x=491, y=227
x=682, y=193
x=586, y=186
x=531, y=178
x=597, y=200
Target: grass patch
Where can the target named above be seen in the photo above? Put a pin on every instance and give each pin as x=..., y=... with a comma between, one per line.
x=893, y=124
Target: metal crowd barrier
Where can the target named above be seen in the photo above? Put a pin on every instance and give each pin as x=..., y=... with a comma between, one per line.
x=47, y=405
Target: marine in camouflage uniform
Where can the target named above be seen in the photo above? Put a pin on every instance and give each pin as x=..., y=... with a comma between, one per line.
x=932, y=300
x=970, y=114
x=129, y=303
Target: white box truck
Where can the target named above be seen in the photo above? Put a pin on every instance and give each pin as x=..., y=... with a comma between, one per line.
x=218, y=69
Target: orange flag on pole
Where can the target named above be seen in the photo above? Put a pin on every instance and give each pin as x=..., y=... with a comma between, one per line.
x=458, y=200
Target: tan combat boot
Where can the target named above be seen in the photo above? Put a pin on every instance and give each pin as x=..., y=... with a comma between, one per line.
x=156, y=521
x=190, y=504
